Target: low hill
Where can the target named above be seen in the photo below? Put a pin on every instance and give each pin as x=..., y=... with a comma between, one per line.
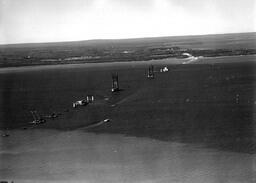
x=126, y=49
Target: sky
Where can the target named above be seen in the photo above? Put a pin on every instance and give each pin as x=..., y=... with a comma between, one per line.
x=29, y=21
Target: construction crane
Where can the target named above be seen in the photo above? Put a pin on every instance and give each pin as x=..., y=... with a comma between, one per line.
x=37, y=118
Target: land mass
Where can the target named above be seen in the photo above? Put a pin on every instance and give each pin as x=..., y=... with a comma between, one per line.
x=98, y=51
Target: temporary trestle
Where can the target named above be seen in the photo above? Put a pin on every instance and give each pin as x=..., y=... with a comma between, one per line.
x=115, y=83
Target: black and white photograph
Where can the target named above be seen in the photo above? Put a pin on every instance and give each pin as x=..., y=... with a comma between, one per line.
x=127, y=91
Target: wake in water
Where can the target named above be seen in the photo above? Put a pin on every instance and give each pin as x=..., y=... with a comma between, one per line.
x=96, y=124
x=191, y=58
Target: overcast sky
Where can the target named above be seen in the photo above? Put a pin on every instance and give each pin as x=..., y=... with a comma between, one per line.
x=23, y=21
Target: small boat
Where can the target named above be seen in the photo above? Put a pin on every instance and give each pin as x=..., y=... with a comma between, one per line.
x=80, y=103
x=52, y=116
x=5, y=135
x=106, y=120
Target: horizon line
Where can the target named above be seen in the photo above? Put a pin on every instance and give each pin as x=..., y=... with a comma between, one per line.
x=116, y=39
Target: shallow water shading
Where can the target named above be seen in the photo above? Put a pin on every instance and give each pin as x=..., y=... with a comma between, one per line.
x=78, y=156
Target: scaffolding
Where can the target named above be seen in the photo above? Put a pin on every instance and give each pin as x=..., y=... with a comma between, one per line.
x=115, y=83
x=151, y=72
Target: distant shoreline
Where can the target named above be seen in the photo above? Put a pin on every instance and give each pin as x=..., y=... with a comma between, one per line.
x=128, y=50
x=114, y=63
x=95, y=41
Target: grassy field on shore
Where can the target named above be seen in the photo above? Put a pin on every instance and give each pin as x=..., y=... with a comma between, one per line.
x=123, y=50
x=210, y=104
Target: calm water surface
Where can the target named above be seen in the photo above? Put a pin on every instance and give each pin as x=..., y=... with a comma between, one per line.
x=78, y=156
